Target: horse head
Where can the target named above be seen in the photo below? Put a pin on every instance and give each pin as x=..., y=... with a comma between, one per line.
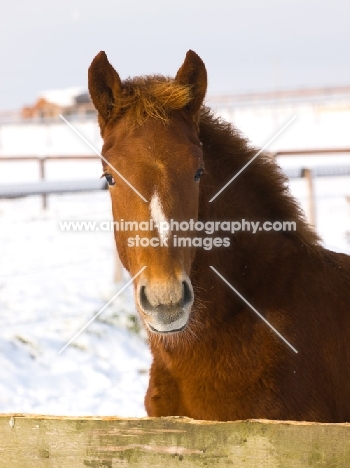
x=153, y=161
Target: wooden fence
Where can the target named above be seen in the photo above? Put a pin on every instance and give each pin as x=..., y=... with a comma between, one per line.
x=43, y=188
x=28, y=441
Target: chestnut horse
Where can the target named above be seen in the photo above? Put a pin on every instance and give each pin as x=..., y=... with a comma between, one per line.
x=165, y=156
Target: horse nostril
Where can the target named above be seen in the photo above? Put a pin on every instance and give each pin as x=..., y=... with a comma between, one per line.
x=144, y=302
x=187, y=294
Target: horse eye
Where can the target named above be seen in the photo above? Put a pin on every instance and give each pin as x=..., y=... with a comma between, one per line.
x=110, y=179
x=198, y=174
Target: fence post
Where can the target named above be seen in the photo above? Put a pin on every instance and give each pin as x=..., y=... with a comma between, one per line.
x=307, y=174
x=42, y=177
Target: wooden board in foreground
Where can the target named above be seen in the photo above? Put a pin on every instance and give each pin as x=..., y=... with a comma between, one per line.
x=47, y=441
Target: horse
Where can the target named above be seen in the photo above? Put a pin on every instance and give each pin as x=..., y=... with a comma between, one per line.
x=207, y=305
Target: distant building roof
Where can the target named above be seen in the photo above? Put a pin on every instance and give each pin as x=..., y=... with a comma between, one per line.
x=83, y=98
x=62, y=97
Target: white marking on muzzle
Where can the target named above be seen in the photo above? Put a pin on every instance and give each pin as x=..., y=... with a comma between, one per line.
x=157, y=214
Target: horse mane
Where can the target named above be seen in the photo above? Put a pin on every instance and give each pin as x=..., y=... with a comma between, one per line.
x=229, y=151
x=151, y=96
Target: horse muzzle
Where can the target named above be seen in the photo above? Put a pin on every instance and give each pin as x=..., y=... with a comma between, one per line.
x=165, y=306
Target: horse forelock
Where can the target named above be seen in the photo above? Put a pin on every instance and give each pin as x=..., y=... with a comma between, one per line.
x=151, y=96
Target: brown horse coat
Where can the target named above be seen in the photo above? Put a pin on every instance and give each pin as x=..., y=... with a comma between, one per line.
x=213, y=357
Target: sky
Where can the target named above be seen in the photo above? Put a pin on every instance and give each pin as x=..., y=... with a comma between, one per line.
x=251, y=45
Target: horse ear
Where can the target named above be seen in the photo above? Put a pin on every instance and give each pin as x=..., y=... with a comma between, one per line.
x=104, y=85
x=193, y=73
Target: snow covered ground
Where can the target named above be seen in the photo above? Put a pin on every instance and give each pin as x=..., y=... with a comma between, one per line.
x=53, y=282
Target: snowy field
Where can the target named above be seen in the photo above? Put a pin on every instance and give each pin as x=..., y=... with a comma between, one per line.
x=53, y=282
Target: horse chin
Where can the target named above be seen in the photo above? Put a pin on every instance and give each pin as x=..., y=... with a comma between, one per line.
x=168, y=332
x=160, y=327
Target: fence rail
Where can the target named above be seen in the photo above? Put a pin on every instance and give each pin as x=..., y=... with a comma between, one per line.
x=311, y=152
x=51, y=187
x=34, y=441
